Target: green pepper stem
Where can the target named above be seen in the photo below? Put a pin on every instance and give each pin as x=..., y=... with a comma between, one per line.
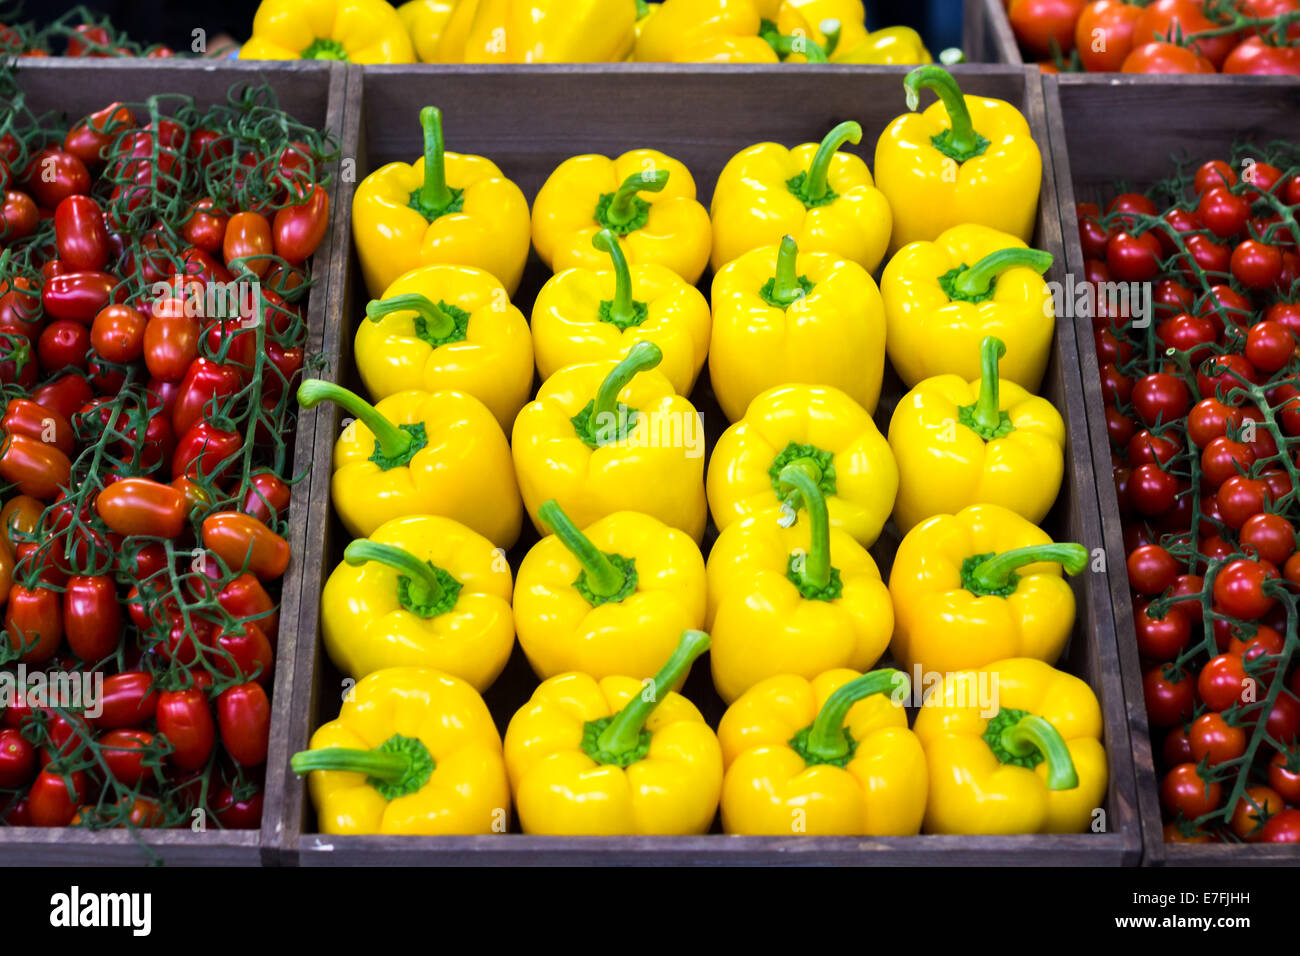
x=785, y=45
x=936, y=78
x=440, y=324
x=642, y=356
x=815, y=184
x=621, y=311
x=1031, y=733
x=995, y=573
x=786, y=288
x=434, y=193
x=389, y=767
x=816, y=571
x=624, y=731
x=622, y=208
x=421, y=574
x=827, y=740
x=393, y=441
x=988, y=410
x=978, y=279
x=831, y=30
x=603, y=577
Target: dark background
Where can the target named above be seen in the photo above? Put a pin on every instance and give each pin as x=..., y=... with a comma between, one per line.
x=158, y=21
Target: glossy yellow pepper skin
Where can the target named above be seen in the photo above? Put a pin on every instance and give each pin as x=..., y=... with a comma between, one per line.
x=426, y=22
x=979, y=586
x=612, y=599
x=448, y=327
x=413, y=752
x=983, y=442
x=823, y=198
x=1031, y=761
x=418, y=452
x=791, y=769
x=454, y=616
x=538, y=31
x=828, y=433
x=728, y=31
x=963, y=160
x=462, y=212
x=582, y=316
x=943, y=298
x=798, y=600
x=610, y=460
x=782, y=316
x=889, y=46
x=619, y=756
x=357, y=31
x=644, y=197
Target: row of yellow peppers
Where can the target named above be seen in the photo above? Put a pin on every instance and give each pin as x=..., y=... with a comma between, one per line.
x=415, y=751
x=568, y=609
x=577, y=31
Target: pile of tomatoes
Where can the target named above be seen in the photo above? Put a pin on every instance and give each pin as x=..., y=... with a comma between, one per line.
x=153, y=271
x=1203, y=412
x=78, y=33
x=1160, y=36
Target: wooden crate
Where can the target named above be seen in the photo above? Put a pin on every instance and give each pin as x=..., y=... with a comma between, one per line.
x=313, y=93
x=986, y=35
x=528, y=120
x=1127, y=130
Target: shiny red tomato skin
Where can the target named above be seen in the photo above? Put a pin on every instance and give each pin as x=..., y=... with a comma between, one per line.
x=184, y=718
x=1183, y=790
x=1169, y=701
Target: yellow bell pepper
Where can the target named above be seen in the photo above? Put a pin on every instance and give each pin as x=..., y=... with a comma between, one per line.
x=979, y=586
x=538, y=31
x=645, y=198
x=728, y=31
x=581, y=316
x=1014, y=747
x=826, y=757
x=983, y=442
x=613, y=436
x=620, y=756
x=357, y=31
x=443, y=208
x=422, y=591
x=426, y=22
x=413, y=751
x=448, y=327
x=418, y=452
x=829, y=435
x=792, y=600
x=610, y=600
x=832, y=24
x=943, y=297
x=965, y=159
x=891, y=46
x=783, y=316
x=823, y=198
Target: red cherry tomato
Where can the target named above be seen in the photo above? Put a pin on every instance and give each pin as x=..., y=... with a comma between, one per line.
x=183, y=717
x=1222, y=682
x=1223, y=212
x=1161, y=639
x=1169, y=700
x=244, y=715
x=1256, y=265
x=1214, y=740
x=1184, y=791
x=1239, y=588
x=1152, y=570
